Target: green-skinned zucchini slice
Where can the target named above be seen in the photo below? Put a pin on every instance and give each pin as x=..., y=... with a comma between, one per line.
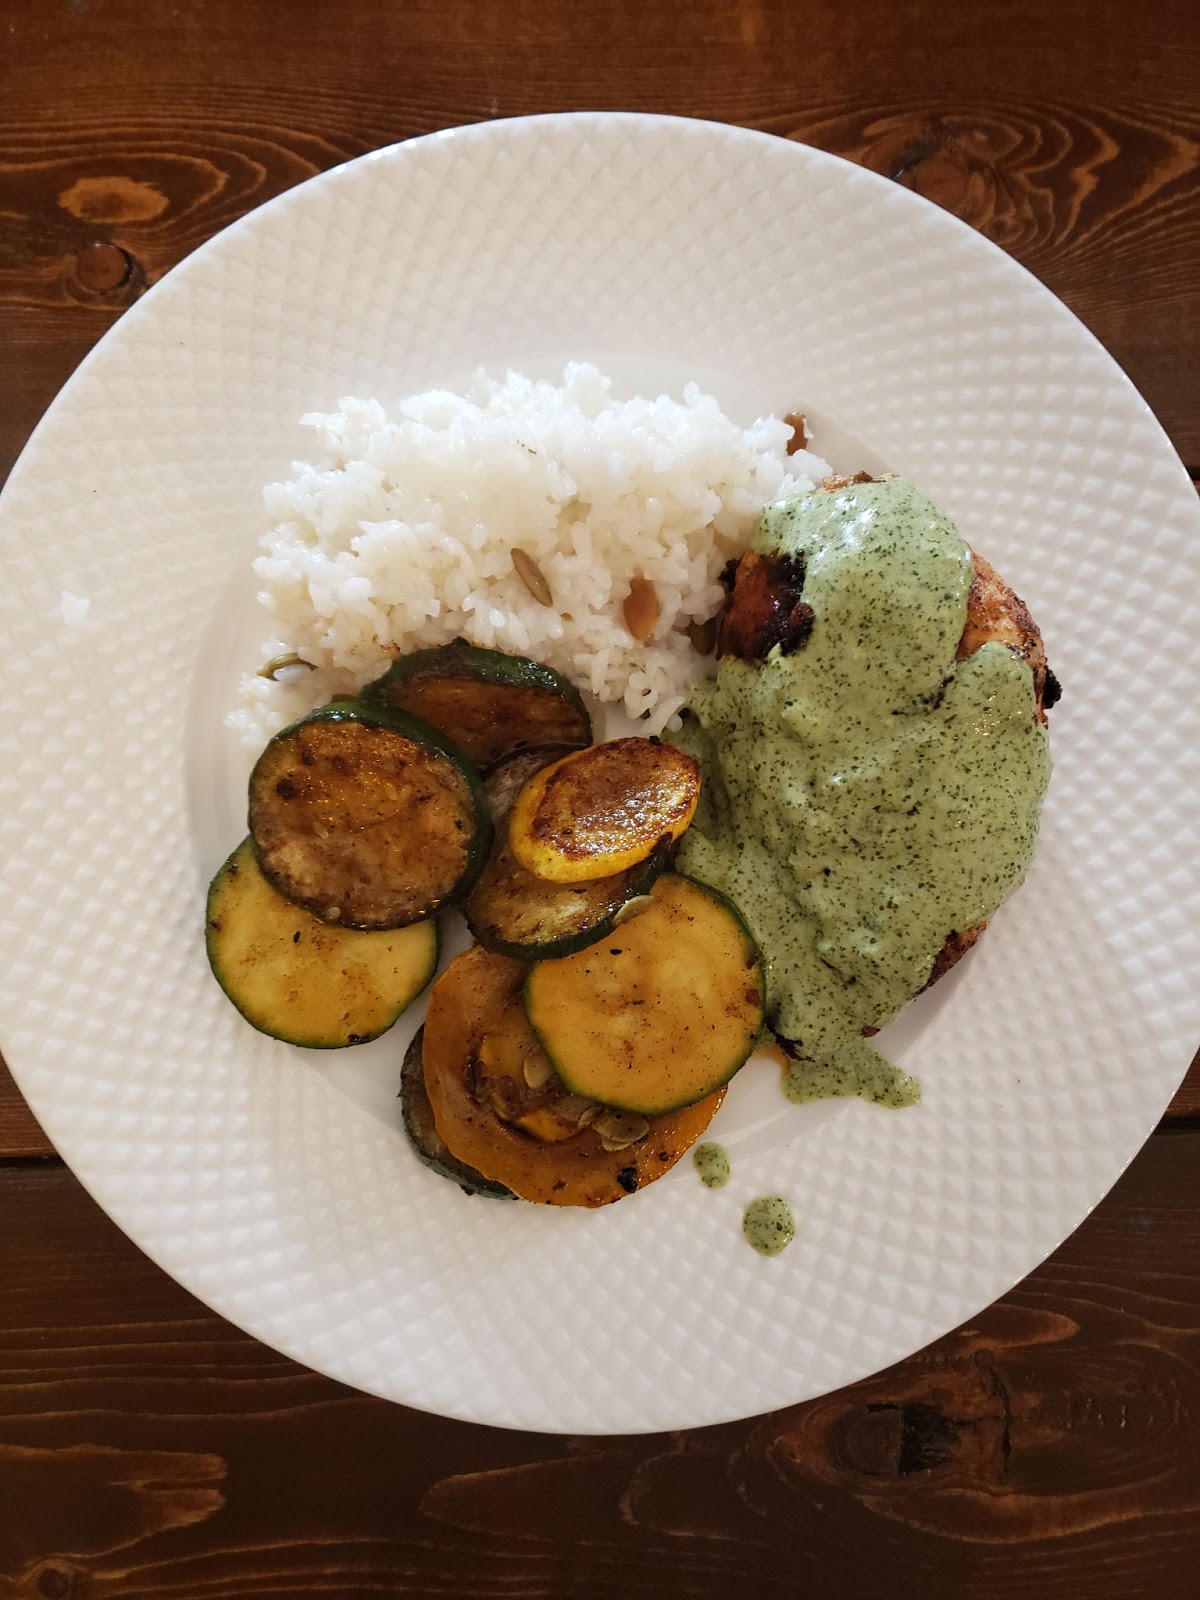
x=302, y=980
x=512, y=912
x=367, y=817
x=489, y=703
x=427, y=1142
x=660, y=1014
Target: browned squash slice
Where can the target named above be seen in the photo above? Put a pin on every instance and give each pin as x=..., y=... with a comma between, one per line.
x=599, y=811
x=499, y=1106
x=427, y=1143
x=489, y=703
x=367, y=817
x=306, y=981
x=662, y=1012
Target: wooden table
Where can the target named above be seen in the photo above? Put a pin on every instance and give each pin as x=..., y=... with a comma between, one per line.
x=1051, y=1447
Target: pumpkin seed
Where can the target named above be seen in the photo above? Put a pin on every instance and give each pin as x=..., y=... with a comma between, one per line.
x=703, y=636
x=619, y=1129
x=632, y=908
x=279, y=663
x=577, y=1108
x=532, y=576
x=537, y=1069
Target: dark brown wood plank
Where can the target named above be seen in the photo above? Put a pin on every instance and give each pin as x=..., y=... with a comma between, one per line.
x=21, y=1136
x=1187, y=1100
x=1049, y=1448
x=148, y=128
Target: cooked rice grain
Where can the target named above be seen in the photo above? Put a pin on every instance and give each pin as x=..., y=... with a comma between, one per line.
x=401, y=535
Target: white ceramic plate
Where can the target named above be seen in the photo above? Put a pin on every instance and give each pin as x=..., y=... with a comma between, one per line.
x=275, y=1184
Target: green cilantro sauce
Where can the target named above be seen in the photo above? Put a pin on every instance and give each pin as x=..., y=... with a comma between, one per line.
x=768, y=1224
x=712, y=1163
x=865, y=796
x=855, y=1068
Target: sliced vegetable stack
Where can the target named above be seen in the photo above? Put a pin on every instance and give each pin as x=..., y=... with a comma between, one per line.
x=516, y=913
x=499, y=1105
x=422, y=1132
x=574, y=1053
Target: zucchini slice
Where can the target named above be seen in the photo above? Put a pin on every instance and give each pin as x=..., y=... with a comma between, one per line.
x=512, y=912
x=661, y=1014
x=596, y=812
x=487, y=702
x=427, y=1143
x=303, y=980
x=499, y=1107
x=367, y=817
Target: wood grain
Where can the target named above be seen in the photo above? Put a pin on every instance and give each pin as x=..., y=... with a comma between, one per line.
x=21, y=1136
x=1049, y=1448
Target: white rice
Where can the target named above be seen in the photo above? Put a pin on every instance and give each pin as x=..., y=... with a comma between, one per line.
x=400, y=535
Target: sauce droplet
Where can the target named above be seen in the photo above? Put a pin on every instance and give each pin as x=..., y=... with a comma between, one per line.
x=768, y=1224
x=712, y=1163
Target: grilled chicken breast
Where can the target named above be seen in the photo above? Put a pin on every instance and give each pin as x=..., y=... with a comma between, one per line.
x=765, y=607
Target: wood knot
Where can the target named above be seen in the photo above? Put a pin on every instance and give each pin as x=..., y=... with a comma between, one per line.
x=55, y=1581
x=943, y=177
x=957, y=164
x=891, y=1439
x=102, y=268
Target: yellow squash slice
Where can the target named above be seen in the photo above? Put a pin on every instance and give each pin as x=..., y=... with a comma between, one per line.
x=599, y=811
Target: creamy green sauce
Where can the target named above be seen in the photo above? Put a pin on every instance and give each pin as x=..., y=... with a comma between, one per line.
x=855, y=1068
x=768, y=1224
x=712, y=1163
x=865, y=796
